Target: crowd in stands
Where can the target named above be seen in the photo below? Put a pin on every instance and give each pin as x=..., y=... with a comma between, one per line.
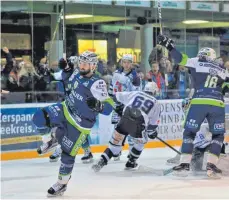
x=22, y=81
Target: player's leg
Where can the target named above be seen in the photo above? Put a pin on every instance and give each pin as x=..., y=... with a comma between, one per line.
x=56, y=155
x=200, y=156
x=216, y=119
x=115, y=118
x=114, y=149
x=88, y=157
x=71, y=140
x=192, y=125
x=47, y=121
x=128, y=124
x=139, y=138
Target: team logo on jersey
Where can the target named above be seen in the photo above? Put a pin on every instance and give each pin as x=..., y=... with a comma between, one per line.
x=191, y=123
x=86, y=83
x=213, y=72
x=67, y=143
x=219, y=126
x=75, y=85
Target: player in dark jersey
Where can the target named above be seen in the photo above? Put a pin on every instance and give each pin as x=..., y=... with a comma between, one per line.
x=209, y=81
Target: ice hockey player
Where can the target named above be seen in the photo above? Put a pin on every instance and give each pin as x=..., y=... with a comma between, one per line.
x=72, y=63
x=63, y=78
x=73, y=119
x=139, y=119
x=124, y=79
x=202, y=143
x=207, y=102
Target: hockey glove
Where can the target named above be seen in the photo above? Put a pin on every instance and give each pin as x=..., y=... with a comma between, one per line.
x=186, y=103
x=119, y=109
x=152, y=134
x=166, y=42
x=94, y=104
x=66, y=66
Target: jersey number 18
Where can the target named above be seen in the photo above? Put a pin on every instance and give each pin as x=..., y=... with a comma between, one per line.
x=211, y=82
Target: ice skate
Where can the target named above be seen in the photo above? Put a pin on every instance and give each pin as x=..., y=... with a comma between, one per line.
x=213, y=172
x=57, y=189
x=87, y=158
x=56, y=155
x=182, y=169
x=173, y=161
x=47, y=146
x=99, y=165
x=131, y=165
x=118, y=158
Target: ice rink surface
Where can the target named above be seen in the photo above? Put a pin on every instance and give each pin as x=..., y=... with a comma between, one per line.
x=30, y=179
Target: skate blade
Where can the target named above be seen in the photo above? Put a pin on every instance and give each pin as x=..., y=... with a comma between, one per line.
x=213, y=175
x=55, y=195
x=181, y=173
x=53, y=160
x=88, y=161
x=96, y=168
x=132, y=169
x=117, y=159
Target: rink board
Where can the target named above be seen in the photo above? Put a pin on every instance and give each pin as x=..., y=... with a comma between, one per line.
x=19, y=139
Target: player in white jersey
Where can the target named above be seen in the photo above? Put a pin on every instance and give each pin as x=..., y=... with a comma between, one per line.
x=139, y=119
x=124, y=79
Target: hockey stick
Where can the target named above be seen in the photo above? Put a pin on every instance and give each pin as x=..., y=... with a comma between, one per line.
x=161, y=33
x=54, y=35
x=169, y=145
x=158, y=172
x=159, y=16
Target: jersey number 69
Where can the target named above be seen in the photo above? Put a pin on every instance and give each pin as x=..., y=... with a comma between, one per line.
x=141, y=103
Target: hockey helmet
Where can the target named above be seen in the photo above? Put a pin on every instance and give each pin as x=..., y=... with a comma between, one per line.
x=88, y=57
x=151, y=88
x=128, y=57
x=207, y=54
x=73, y=59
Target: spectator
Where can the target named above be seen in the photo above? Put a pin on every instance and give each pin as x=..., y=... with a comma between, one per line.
x=143, y=81
x=156, y=76
x=227, y=65
x=180, y=83
x=9, y=62
x=224, y=56
x=99, y=70
x=107, y=76
x=5, y=71
x=160, y=55
x=111, y=67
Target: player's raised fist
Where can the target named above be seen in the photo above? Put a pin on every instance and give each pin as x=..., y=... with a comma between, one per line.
x=166, y=42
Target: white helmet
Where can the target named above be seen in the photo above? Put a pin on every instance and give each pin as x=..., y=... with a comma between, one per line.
x=88, y=57
x=73, y=59
x=128, y=57
x=151, y=87
x=207, y=54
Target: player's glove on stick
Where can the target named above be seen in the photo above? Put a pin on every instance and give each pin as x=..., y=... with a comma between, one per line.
x=152, y=134
x=94, y=104
x=166, y=42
